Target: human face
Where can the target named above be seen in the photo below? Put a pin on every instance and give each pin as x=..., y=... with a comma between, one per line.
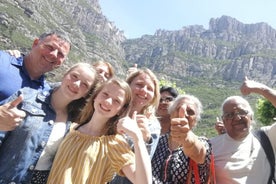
x=49, y=53
x=165, y=101
x=142, y=88
x=103, y=72
x=236, y=119
x=185, y=108
x=110, y=100
x=77, y=82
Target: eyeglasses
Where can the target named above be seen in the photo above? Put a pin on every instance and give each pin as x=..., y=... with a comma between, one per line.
x=230, y=116
x=166, y=99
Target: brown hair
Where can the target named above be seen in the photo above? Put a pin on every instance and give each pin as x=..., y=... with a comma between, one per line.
x=109, y=66
x=74, y=108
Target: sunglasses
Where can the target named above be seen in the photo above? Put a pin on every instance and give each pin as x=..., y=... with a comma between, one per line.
x=166, y=99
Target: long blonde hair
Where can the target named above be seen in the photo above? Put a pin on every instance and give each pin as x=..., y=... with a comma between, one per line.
x=153, y=105
x=111, y=124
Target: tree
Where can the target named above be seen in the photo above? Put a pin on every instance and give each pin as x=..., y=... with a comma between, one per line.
x=164, y=82
x=266, y=112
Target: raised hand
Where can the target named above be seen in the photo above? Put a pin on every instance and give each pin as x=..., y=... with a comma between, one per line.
x=219, y=126
x=143, y=124
x=180, y=126
x=251, y=86
x=132, y=69
x=129, y=126
x=10, y=116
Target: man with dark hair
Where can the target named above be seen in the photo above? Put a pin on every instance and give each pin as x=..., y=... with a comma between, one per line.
x=167, y=95
x=48, y=52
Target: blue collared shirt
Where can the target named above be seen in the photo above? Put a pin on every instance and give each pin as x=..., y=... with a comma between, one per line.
x=14, y=76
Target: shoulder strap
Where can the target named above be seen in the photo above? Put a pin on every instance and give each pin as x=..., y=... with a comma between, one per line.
x=265, y=142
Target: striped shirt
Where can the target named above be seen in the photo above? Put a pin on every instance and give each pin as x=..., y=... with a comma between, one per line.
x=84, y=158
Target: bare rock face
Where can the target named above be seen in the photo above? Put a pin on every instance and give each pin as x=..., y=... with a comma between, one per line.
x=211, y=63
x=93, y=36
x=227, y=51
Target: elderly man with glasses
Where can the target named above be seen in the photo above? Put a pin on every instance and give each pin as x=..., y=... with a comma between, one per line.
x=239, y=155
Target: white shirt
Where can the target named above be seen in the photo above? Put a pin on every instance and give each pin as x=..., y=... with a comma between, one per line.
x=242, y=161
x=46, y=158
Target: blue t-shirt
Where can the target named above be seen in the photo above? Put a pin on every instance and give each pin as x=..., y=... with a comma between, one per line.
x=14, y=76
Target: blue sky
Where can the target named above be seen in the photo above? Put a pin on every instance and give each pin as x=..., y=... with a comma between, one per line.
x=139, y=17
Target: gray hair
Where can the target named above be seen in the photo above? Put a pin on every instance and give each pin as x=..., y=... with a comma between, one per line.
x=198, y=105
x=245, y=104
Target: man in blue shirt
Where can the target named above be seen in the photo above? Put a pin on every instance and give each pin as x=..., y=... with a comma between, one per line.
x=14, y=76
x=48, y=52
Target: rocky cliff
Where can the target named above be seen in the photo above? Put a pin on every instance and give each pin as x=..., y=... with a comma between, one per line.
x=94, y=37
x=210, y=63
x=228, y=50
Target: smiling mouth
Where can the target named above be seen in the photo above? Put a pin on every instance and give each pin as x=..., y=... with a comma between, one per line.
x=72, y=91
x=49, y=61
x=103, y=108
x=142, y=97
x=240, y=124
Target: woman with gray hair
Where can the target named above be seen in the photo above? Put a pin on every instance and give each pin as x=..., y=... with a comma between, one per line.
x=181, y=156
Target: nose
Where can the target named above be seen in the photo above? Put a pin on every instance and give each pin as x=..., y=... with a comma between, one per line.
x=143, y=89
x=102, y=76
x=237, y=116
x=108, y=101
x=162, y=101
x=77, y=83
x=182, y=111
x=54, y=52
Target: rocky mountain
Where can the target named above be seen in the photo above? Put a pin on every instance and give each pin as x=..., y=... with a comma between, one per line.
x=93, y=36
x=210, y=63
x=228, y=50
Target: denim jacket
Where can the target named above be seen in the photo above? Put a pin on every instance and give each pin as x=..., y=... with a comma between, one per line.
x=21, y=148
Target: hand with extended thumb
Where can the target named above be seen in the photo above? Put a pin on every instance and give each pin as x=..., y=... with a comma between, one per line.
x=179, y=126
x=130, y=127
x=10, y=115
x=219, y=126
x=132, y=69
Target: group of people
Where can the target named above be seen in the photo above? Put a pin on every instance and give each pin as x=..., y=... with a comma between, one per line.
x=96, y=128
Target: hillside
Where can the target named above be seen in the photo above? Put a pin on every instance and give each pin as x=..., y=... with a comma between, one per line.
x=208, y=63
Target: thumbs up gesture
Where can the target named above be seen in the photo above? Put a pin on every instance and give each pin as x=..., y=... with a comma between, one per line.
x=10, y=116
x=219, y=126
x=132, y=69
x=130, y=127
x=251, y=86
x=180, y=126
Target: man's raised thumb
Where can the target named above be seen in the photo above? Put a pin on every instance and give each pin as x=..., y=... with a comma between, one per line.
x=16, y=102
